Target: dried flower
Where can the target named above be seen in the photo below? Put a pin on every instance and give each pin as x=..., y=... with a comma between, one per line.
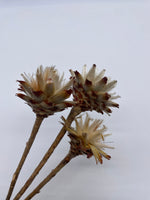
x=88, y=139
x=91, y=90
x=45, y=92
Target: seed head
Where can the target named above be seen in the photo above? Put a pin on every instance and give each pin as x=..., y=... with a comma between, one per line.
x=45, y=92
x=88, y=138
x=91, y=91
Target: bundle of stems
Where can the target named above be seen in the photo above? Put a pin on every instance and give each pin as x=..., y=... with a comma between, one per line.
x=73, y=113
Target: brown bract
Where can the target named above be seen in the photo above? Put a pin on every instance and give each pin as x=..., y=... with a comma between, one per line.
x=91, y=91
x=45, y=92
x=88, y=138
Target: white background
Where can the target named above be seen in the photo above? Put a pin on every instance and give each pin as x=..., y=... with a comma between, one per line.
x=115, y=35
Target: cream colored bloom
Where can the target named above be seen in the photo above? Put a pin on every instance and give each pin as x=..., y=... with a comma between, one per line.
x=45, y=92
x=88, y=138
x=91, y=91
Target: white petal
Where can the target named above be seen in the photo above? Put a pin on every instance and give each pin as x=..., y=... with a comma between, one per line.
x=91, y=74
x=100, y=75
x=84, y=72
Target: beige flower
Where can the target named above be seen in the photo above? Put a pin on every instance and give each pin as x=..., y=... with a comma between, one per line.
x=91, y=91
x=45, y=92
x=88, y=138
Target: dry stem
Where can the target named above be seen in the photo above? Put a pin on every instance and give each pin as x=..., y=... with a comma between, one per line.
x=35, y=129
x=51, y=175
x=73, y=113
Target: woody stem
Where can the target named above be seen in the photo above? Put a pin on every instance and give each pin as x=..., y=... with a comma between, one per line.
x=64, y=162
x=29, y=143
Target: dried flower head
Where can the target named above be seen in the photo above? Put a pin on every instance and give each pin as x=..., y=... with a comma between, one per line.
x=88, y=138
x=91, y=90
x=45, y=92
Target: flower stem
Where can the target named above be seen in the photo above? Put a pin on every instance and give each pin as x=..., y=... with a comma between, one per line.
x=31, y=139
x=51, y=175
x=73, y=113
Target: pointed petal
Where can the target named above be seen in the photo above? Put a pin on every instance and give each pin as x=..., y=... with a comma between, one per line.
x=112, y=104
x=24, y=97
x=72, y=73
x=110, y=85
x=104, y=154
x=94, y=153
x=100, y=75
x=91, y=74
x=79, y=77
x=86, y=123
x=100, y=84
x=84, y=72
x=39, y=78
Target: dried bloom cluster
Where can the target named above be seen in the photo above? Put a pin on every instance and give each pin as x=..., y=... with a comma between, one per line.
x=88, y=138
x=91, y=90
x=45, y=93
